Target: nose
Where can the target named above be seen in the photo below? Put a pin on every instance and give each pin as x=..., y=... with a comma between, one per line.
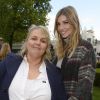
x=38, y=42
x=60, y=27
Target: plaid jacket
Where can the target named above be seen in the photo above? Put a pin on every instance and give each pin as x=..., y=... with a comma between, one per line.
x=79, y=72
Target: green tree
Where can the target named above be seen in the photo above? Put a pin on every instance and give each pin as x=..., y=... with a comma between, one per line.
x=17, y=15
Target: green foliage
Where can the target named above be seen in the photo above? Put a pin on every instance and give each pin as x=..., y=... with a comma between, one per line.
x=19, y=36
x=98, y=64
x=97, y=80
x=97, y=70
x=96, y=88
x=18, y=15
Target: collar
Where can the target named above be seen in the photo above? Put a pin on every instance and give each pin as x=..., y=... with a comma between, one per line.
x=42, y=67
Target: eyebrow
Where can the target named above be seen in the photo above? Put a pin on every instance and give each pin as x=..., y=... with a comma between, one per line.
x=41, y=37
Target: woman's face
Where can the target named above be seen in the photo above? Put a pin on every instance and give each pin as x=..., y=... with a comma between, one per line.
x=63, y=26
x=37, y=43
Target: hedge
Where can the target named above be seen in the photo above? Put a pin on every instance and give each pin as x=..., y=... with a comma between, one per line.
x=97, y=78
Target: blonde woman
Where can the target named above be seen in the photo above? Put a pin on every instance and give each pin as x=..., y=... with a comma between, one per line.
x=30, y=75
x=1, y=42
x=5, y=49
x=75, y=56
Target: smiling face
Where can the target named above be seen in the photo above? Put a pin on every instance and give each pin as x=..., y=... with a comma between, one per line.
x=36, y=43
x=63, y=26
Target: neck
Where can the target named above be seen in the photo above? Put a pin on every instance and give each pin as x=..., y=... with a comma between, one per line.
x=34, y=62
x=65, y=40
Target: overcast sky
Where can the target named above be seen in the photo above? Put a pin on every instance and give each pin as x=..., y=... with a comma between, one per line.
x=88, y=12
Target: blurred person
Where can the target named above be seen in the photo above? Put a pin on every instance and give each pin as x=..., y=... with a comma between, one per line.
x=5, y=49
x=75, y=56
x=1, y=42
x=29, y=75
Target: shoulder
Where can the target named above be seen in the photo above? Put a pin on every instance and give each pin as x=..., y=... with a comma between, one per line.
x=87, y=50
x=10, y=61
x=85, y=47
x=84, y=50
x=11, y=57
x=14, y=56
x=52, y=67
x=86, y=44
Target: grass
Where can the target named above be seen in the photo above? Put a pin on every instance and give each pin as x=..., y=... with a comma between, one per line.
x=97, y=70
x=96, y=93
x=96, y=90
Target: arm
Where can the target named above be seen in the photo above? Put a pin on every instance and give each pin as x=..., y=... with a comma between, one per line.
x=2, y=69
x=86, y=76
x=3, y=64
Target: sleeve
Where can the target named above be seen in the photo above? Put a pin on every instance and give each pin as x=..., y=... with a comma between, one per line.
x=2, y=69
x=3, y=64
x=86, y=76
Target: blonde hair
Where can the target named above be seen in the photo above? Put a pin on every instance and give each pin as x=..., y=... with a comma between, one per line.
x=4, y=50
x=73, y=19
x=45, y=31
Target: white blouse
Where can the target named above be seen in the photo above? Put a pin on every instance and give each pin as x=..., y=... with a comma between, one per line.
x=22, y=88
x=59, y=63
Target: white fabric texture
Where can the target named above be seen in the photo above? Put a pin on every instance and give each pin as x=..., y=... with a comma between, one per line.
x=22, y=88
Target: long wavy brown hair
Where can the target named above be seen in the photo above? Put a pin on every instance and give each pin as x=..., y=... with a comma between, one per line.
x=73, y=19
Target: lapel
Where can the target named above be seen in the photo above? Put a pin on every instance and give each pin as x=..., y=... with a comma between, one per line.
x=12, y=66
x=51, y=73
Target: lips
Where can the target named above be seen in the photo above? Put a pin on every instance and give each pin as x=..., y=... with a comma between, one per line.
x=63, y=33
x=36, y=48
